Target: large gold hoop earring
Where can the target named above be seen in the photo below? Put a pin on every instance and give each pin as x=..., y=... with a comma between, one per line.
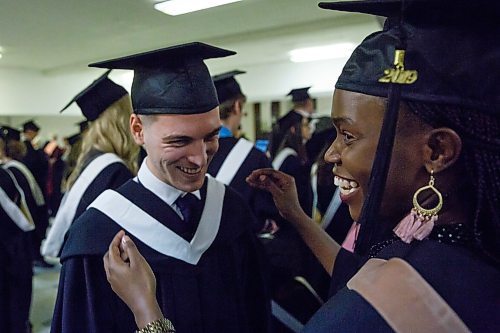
x=419, y=223
x=428, y=213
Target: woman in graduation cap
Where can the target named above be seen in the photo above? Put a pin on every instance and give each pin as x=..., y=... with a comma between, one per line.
x=417, y=157
x=108, y=156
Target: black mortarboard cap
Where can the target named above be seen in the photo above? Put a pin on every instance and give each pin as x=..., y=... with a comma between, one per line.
x=74, y=138
x=453, y=46
x=97, y=97
x=8, y=133
x=173, y=80
x=83, y=125
x=299, y=94
x=31, y=125
x=226, y=85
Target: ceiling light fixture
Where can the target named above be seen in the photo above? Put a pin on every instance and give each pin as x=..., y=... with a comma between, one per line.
x=178, y=7
x=324, y=52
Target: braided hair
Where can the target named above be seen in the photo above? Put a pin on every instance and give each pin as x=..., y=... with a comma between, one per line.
x=480, y=155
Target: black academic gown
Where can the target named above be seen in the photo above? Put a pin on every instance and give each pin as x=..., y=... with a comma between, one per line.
x=337, y=228
x=37, y=162
x=38, y=211
x=261, y=202
x=469, y=285
x=15, y=267
x=301, y=173
x=111, y=177
x=223, y=292
x=288, y=254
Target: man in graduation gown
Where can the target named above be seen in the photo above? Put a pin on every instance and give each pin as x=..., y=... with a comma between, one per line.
x=15, y=259
x=193, y=230
x=35, y=159
x=237, y=157
x=30, y=189
x=37, y=162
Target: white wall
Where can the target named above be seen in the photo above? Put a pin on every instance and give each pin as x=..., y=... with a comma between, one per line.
x=28, y=94
x=33, y=95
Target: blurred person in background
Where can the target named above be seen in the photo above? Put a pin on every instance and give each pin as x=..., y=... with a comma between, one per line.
x=107, y=158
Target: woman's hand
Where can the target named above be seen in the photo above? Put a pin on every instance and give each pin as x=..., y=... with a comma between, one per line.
x=282, y=188
x=132, y=279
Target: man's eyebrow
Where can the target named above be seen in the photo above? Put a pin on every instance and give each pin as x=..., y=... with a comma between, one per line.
x=214, y=132
x=176, y=137
x=185, y=137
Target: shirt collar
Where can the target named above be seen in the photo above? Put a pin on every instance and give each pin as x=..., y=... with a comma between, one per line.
x=163, y=190
x=303, y=113
x=225, y=132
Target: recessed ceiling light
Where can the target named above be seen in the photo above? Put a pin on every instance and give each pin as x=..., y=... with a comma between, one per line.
x=339, y=50
x=1, y=55
x=178, y=7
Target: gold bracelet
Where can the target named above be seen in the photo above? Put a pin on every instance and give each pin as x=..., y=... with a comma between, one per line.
x=158, y=326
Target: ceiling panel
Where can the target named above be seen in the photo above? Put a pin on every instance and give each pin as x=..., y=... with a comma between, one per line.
x=52, y=35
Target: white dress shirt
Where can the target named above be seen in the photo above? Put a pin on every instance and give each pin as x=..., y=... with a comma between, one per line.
x=164, y=191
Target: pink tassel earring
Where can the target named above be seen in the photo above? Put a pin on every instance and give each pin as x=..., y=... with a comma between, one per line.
x=419, y=222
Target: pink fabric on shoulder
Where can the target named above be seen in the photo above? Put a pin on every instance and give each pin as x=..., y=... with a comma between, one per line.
x=350, y=240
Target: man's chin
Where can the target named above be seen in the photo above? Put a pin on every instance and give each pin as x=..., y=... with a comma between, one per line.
x=192, y=186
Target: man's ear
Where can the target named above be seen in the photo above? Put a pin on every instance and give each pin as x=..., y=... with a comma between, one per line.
x=442, y=149
x=236, y=106
x=137, y=127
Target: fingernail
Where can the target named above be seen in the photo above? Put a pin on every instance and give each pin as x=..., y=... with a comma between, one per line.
x=126, y=239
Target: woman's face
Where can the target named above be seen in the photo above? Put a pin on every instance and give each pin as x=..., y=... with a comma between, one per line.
x=358, y=121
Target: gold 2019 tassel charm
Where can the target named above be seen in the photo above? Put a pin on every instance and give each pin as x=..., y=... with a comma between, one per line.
x=399, y=74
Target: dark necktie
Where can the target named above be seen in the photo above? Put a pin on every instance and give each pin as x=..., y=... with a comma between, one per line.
x=186, y=205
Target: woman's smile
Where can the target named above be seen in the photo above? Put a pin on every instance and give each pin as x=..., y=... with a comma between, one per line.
x=348, y=187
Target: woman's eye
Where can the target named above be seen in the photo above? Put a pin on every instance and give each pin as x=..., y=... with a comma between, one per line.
x=348, y=137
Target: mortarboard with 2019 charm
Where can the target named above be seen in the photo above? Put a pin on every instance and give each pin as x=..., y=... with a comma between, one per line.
x=436, y=51
x=226, y=85
x=172, y=80
x=97, y=97
x=419, y=49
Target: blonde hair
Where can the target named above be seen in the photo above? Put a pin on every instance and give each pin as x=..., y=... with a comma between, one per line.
x=109, y=133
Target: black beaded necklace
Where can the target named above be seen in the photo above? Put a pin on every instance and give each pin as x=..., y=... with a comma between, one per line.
x=453, y=234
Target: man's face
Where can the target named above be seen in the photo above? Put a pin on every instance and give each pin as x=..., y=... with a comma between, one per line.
x=30, y=134
x=179, y=147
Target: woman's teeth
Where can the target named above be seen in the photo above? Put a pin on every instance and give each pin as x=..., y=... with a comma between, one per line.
x=190, y=171
x=346, y=186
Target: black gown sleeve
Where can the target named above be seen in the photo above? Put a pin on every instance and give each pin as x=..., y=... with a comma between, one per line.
x=346, y=265
x=347, y=311
x=85, y=302
x=255, y=279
